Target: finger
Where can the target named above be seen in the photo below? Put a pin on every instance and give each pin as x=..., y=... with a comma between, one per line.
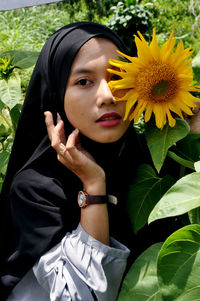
x=72, y=139
x=59, y=130
x=56, y=133
x=57, y=142
x=49, y=123
x=71, y=149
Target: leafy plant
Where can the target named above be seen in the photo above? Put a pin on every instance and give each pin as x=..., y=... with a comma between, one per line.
x=127, y=19
x=180, y=16
x=10, y=99
x=167, y=271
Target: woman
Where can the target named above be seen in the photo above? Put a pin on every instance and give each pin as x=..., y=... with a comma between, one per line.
x=84, y=146
x=41, y=185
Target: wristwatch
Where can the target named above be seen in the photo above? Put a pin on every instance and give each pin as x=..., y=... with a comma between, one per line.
x=85, y=199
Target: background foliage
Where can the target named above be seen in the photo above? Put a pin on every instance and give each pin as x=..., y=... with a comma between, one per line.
x=155, y=275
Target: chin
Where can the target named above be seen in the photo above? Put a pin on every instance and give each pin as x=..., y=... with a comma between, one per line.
x=109, y=139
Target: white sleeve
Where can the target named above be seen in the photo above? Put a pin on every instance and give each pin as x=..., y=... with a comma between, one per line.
x=80, y=267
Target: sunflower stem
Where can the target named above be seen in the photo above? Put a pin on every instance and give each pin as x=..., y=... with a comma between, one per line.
x=182, y=171
x=183, y=162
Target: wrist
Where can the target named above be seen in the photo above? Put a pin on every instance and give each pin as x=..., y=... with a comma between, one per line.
x=98, y=188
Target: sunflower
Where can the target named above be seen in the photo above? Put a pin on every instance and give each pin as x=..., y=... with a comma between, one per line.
x=158, y=80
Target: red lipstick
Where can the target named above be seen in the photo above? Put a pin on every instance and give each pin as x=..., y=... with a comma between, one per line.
x=109, y=119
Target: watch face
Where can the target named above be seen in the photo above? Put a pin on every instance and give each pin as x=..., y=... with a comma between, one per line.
x=82, y=199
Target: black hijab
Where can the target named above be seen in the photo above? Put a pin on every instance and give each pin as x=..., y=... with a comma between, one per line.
x=38, y=195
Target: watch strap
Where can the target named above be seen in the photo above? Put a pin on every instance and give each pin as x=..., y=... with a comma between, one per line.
x=85, y=199
x=97, y=199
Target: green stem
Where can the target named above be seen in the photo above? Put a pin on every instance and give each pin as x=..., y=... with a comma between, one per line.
x=180, y=160
x=182, y=171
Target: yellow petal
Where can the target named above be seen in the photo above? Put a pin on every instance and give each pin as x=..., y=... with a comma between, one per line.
x=168, y=47
x=138, y=111
x=121, y=84
x=160, y=116
x=171, y=120
x=130, y=58
x=155, y=49
x=129, y=105
x=148, y=112
x=143, y=50
x=175, y=109
x=180, y=55
x=187, y=98
x=185, y=108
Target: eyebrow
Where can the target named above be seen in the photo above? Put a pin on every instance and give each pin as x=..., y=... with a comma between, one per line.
x=82, y=70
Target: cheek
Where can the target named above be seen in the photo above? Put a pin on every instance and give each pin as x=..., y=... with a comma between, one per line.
x=75, y=112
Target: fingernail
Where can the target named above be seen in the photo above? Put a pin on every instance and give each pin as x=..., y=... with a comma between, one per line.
x=59, y=119
x=45, y=115
x=75, y=131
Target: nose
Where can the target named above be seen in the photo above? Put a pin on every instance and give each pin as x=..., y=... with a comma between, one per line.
x=104, y=94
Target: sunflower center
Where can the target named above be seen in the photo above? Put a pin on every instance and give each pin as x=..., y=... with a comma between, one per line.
x=157, y=82
x=160, y=88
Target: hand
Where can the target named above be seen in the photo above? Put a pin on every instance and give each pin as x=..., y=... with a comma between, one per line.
x=72, y=155
x=194, y=120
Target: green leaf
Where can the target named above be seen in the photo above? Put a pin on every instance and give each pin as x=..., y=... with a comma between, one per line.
x=144, y=193
x=22, y=59
x=181, y=161
x=197, y=166
x=1, y=105
x=179, y=265
x=189, y=147
x=159, y=141
x=194, y=216
x=4, y=157
x=4, y=133
x=141, y=283
x=14, y=114
x=10, y=91
x=182, y=197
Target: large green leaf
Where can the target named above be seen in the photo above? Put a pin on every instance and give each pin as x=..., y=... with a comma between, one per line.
x=141, y=282
x=22, y=59
x=144, y=193
x=179, y=265
x=10, y=91
x=4, y=157
x=159, y=141
x=189, y=147
x=182, y=197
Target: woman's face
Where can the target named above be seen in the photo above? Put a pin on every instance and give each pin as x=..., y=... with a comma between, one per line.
x=89, y=104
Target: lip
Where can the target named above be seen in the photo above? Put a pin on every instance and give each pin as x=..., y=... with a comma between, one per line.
x=109, y=119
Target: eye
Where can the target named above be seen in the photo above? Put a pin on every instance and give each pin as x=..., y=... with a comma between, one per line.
x=83, y=82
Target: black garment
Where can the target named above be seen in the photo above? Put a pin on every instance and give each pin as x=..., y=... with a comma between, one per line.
x=38, y=199
x=39, y=195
